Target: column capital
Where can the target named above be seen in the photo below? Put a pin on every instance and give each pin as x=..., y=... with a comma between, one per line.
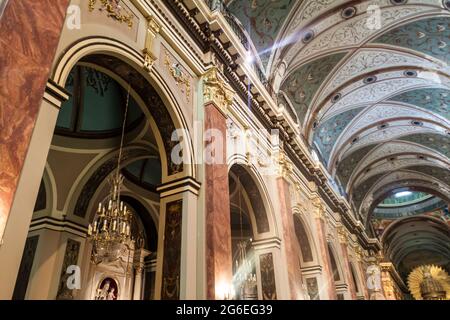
x=285, y=167
x=216, y=91
x=319, y=208
x=342, y=234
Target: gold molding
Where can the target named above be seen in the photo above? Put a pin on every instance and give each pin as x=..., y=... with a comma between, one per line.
x=217, y=91
x=113, y=11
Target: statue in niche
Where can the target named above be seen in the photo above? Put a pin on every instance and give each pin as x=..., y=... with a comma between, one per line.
x=107, y=290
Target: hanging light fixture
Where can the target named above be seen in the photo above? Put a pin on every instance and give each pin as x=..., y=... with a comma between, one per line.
x=110, y=231
x=244, y=277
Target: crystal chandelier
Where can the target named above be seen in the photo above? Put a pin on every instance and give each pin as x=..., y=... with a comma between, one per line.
x=244, y=278
x=110, y=231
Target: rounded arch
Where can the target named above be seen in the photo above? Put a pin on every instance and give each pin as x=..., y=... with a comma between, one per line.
x=336, y=264
x=80, y=204
x=258, y=196
x=127, y=63
x=416, y=240
x=304, y=238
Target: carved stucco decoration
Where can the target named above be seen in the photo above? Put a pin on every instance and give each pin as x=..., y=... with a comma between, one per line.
x=181, y=76
x=318, y=208
x=217, y=91
x=113, y=10
x=342, y=234
x=285, y=167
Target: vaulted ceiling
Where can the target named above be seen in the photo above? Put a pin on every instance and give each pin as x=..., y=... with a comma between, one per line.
x=369, y=82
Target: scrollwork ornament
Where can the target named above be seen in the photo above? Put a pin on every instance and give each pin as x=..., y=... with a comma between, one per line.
x=113, y=10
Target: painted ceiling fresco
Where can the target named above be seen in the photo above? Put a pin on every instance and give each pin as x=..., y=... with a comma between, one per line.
x=262, y=19
x=301, y=86
x=429, y=36
x=433, y=99
x=356, y=87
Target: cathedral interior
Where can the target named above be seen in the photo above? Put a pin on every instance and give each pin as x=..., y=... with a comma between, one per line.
x=224, y=150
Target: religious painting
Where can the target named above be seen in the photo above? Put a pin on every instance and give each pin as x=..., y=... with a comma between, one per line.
x=107, y=290
x=26, y=264
x=70, y=258
x=269, y=291
x=313, y=288
x=172, y=251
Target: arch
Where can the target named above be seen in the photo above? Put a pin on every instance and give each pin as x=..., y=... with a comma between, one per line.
x=415, y=240
x=303, y=238
x=143, y=212
x=127, y=64
x=80, y=203
x=254, y=186
x=336, y=268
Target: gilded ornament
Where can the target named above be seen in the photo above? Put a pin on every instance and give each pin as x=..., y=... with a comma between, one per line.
x=429, y=282
x=180, y=77
x=114, y=10
x=217, y=91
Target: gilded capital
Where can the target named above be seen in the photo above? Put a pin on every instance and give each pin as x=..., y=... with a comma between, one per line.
x=342, y=234
x=284, y=165
x=319, y=208
x=217, y=91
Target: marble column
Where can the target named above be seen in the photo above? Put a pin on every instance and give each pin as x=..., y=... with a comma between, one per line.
x=343, y=240
x=319, y=212
x=29, y=35
x=289, y=237
x=22, y=207
x=219, y=268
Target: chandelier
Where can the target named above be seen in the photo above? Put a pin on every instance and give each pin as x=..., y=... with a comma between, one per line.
x=110, y=231
x=245, y=278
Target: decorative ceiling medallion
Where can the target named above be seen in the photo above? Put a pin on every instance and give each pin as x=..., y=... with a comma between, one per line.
x=446, y=4
x=370, y=79
x=336, y=98
x=410, y=73
x=398, y=2
x=349, y=12
x=113, y=10
x=383, y=126
x=309, y=35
